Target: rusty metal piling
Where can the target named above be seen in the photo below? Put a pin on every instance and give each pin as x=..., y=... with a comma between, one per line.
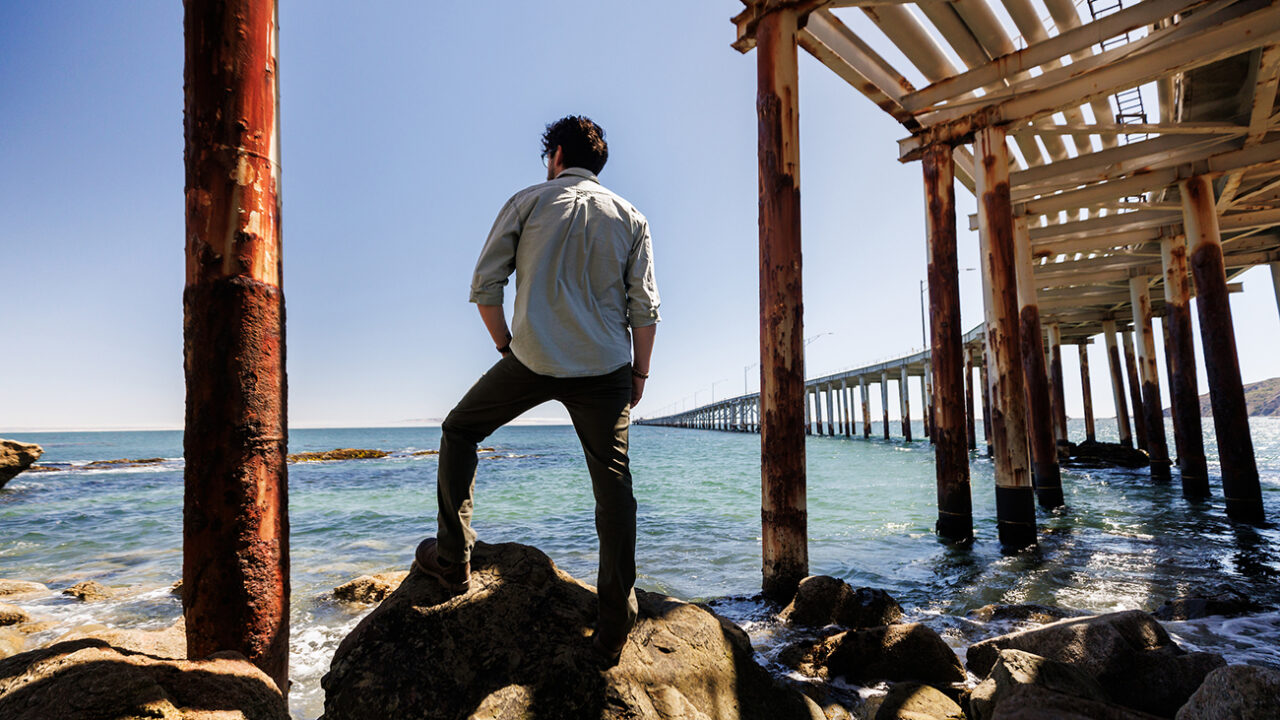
x=866, y=407
x=971, y=420
x=1044, y=450
x=1059, y=396
x=1015, y=498
x=1117, y=383
x=1086, y=392
x=884, y=400
x=1180, y=348
x=1148, y=373
x=950, y=359
x=904, y=398
x=1240, y=483
x=235, y=562
x=1135, y=390
x=784, y=513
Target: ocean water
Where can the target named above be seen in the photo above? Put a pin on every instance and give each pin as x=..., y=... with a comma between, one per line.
x=1123, y=542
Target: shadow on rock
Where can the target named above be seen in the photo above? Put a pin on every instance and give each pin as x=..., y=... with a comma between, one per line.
x=517, y=645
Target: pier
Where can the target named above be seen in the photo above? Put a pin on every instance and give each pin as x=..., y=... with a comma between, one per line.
x=1099, y=212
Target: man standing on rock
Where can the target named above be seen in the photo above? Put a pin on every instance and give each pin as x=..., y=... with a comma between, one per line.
x=585, y=315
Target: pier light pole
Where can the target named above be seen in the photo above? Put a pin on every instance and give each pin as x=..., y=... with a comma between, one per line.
x=235, y=561
x=784, y=511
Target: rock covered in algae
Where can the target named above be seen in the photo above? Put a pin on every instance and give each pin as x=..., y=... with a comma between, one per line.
x=90, y=679
x=370, y=588
x=517, y=645
x=339, y=454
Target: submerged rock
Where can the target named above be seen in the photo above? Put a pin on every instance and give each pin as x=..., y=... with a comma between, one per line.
x=823, y=600
x=370, y=588
x=13, y=615
x=517, y=645
x=339, y=454
x=15, y=457
x=889, y=652
x=1228, y=603
x=1015, y=668
x=89, y=591
x=1240, y=692
x=1097, y=454
x=1025, y=612
x=1032, y=702
x=1128, y=653
x=121, y=463
x=90, y=679
x=18, y=588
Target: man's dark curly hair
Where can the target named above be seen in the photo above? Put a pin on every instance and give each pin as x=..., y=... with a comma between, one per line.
x=582, y=141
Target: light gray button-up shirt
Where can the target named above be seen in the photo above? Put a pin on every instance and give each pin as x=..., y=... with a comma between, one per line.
x=584, y=274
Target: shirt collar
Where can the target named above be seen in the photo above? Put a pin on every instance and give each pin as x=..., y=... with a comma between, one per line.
x=579, y=172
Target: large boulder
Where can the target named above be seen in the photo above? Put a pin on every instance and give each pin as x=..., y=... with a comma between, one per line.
x=15, y=457
x=90, y=679
x=915, y=701
x=823, y=600
x=1029, y=613
x=517, y=645
x=89, y=591
x=890, y=652
x=1128, y=653
x=1033, y=702
x=1016, y=668
x=1227, y=603
x=1239, y=692
x=370, y=588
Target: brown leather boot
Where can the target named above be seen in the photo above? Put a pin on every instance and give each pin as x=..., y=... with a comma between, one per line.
x=455, y=577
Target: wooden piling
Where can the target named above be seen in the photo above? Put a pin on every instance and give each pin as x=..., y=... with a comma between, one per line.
x=1180, y=349
x=784, y=513
x=1015, y=499
x=235, y=564
x=1086, y=392
x=904, y=399
x=1117, y=383
x=1240, y=483
x=1056, y=380
x=951, y=455
x=1044, y=449
x=866, y=407
x=1148, y=374
x=971, y=420
x=884, y=400
x=1135, y=390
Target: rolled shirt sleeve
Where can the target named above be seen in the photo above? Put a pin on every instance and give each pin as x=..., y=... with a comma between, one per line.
x=642, y=287
x=497, y=259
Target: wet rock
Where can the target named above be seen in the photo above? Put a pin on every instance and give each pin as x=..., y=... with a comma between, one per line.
x=914, y=701
x=176, y=589
x=889, y=652
x=121, y=463
x=1097, y=454
x=339, y=454
x=89, y=591
x=1016, y=668
x=1025, y=612
x=15, y=457
x=12, y=615
x=18, y=588
x=822, y=600
x=32, y=628
x=1240, y=692
x=1128, y=653
x=11, y=642
x=169, y=643
x=516, y=645
x=1227, y=603
x=90, y=679
x=1032, y=702
x=370, y=588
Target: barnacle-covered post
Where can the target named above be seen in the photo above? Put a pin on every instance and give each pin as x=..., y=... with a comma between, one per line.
x=235, y=523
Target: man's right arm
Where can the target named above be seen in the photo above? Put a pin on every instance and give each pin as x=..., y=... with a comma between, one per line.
x=497, y=259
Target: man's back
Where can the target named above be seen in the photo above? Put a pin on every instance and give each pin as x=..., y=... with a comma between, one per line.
x=582, y=257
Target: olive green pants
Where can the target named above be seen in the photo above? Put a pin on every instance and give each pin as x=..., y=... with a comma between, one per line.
x=600, y=408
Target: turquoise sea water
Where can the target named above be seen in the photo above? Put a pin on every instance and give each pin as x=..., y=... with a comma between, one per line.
x=1123, y=542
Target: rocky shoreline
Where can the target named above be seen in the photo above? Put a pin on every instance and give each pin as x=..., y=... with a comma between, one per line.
x=516, y=644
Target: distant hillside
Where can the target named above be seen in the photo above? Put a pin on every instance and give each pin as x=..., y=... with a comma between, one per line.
x=1262, y=397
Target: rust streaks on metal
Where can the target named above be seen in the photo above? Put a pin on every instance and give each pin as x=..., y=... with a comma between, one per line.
x=1086, y=392
x=1117, y=383
x=1180, y=348
x=1044, y=451
x=235, y=530
x=1148, y=375
x=1135, y=390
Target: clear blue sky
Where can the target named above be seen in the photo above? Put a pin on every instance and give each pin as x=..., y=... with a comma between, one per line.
x=405, y=127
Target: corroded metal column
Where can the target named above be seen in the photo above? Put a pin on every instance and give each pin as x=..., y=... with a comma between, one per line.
x=848, y=407
x=817, y=408
x=1086, y=391
x=1059, y=396
x=1015, y=499
x=1117, y=383
x=904, y=399
x=1135, y=390
x=1044, y=449
x=831, y=412
x=235, y=564
x=808, y=412
x=1148, y=374
x=926, y=400
x=983, y=383
x=866, y=407
x=1180, y=348
x=784, y=511
x=949, y=357
x=884, y=400
x=971, y=420
x=1218, y=340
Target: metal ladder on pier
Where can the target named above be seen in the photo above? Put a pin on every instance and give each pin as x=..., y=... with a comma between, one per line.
x=1129, y=109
